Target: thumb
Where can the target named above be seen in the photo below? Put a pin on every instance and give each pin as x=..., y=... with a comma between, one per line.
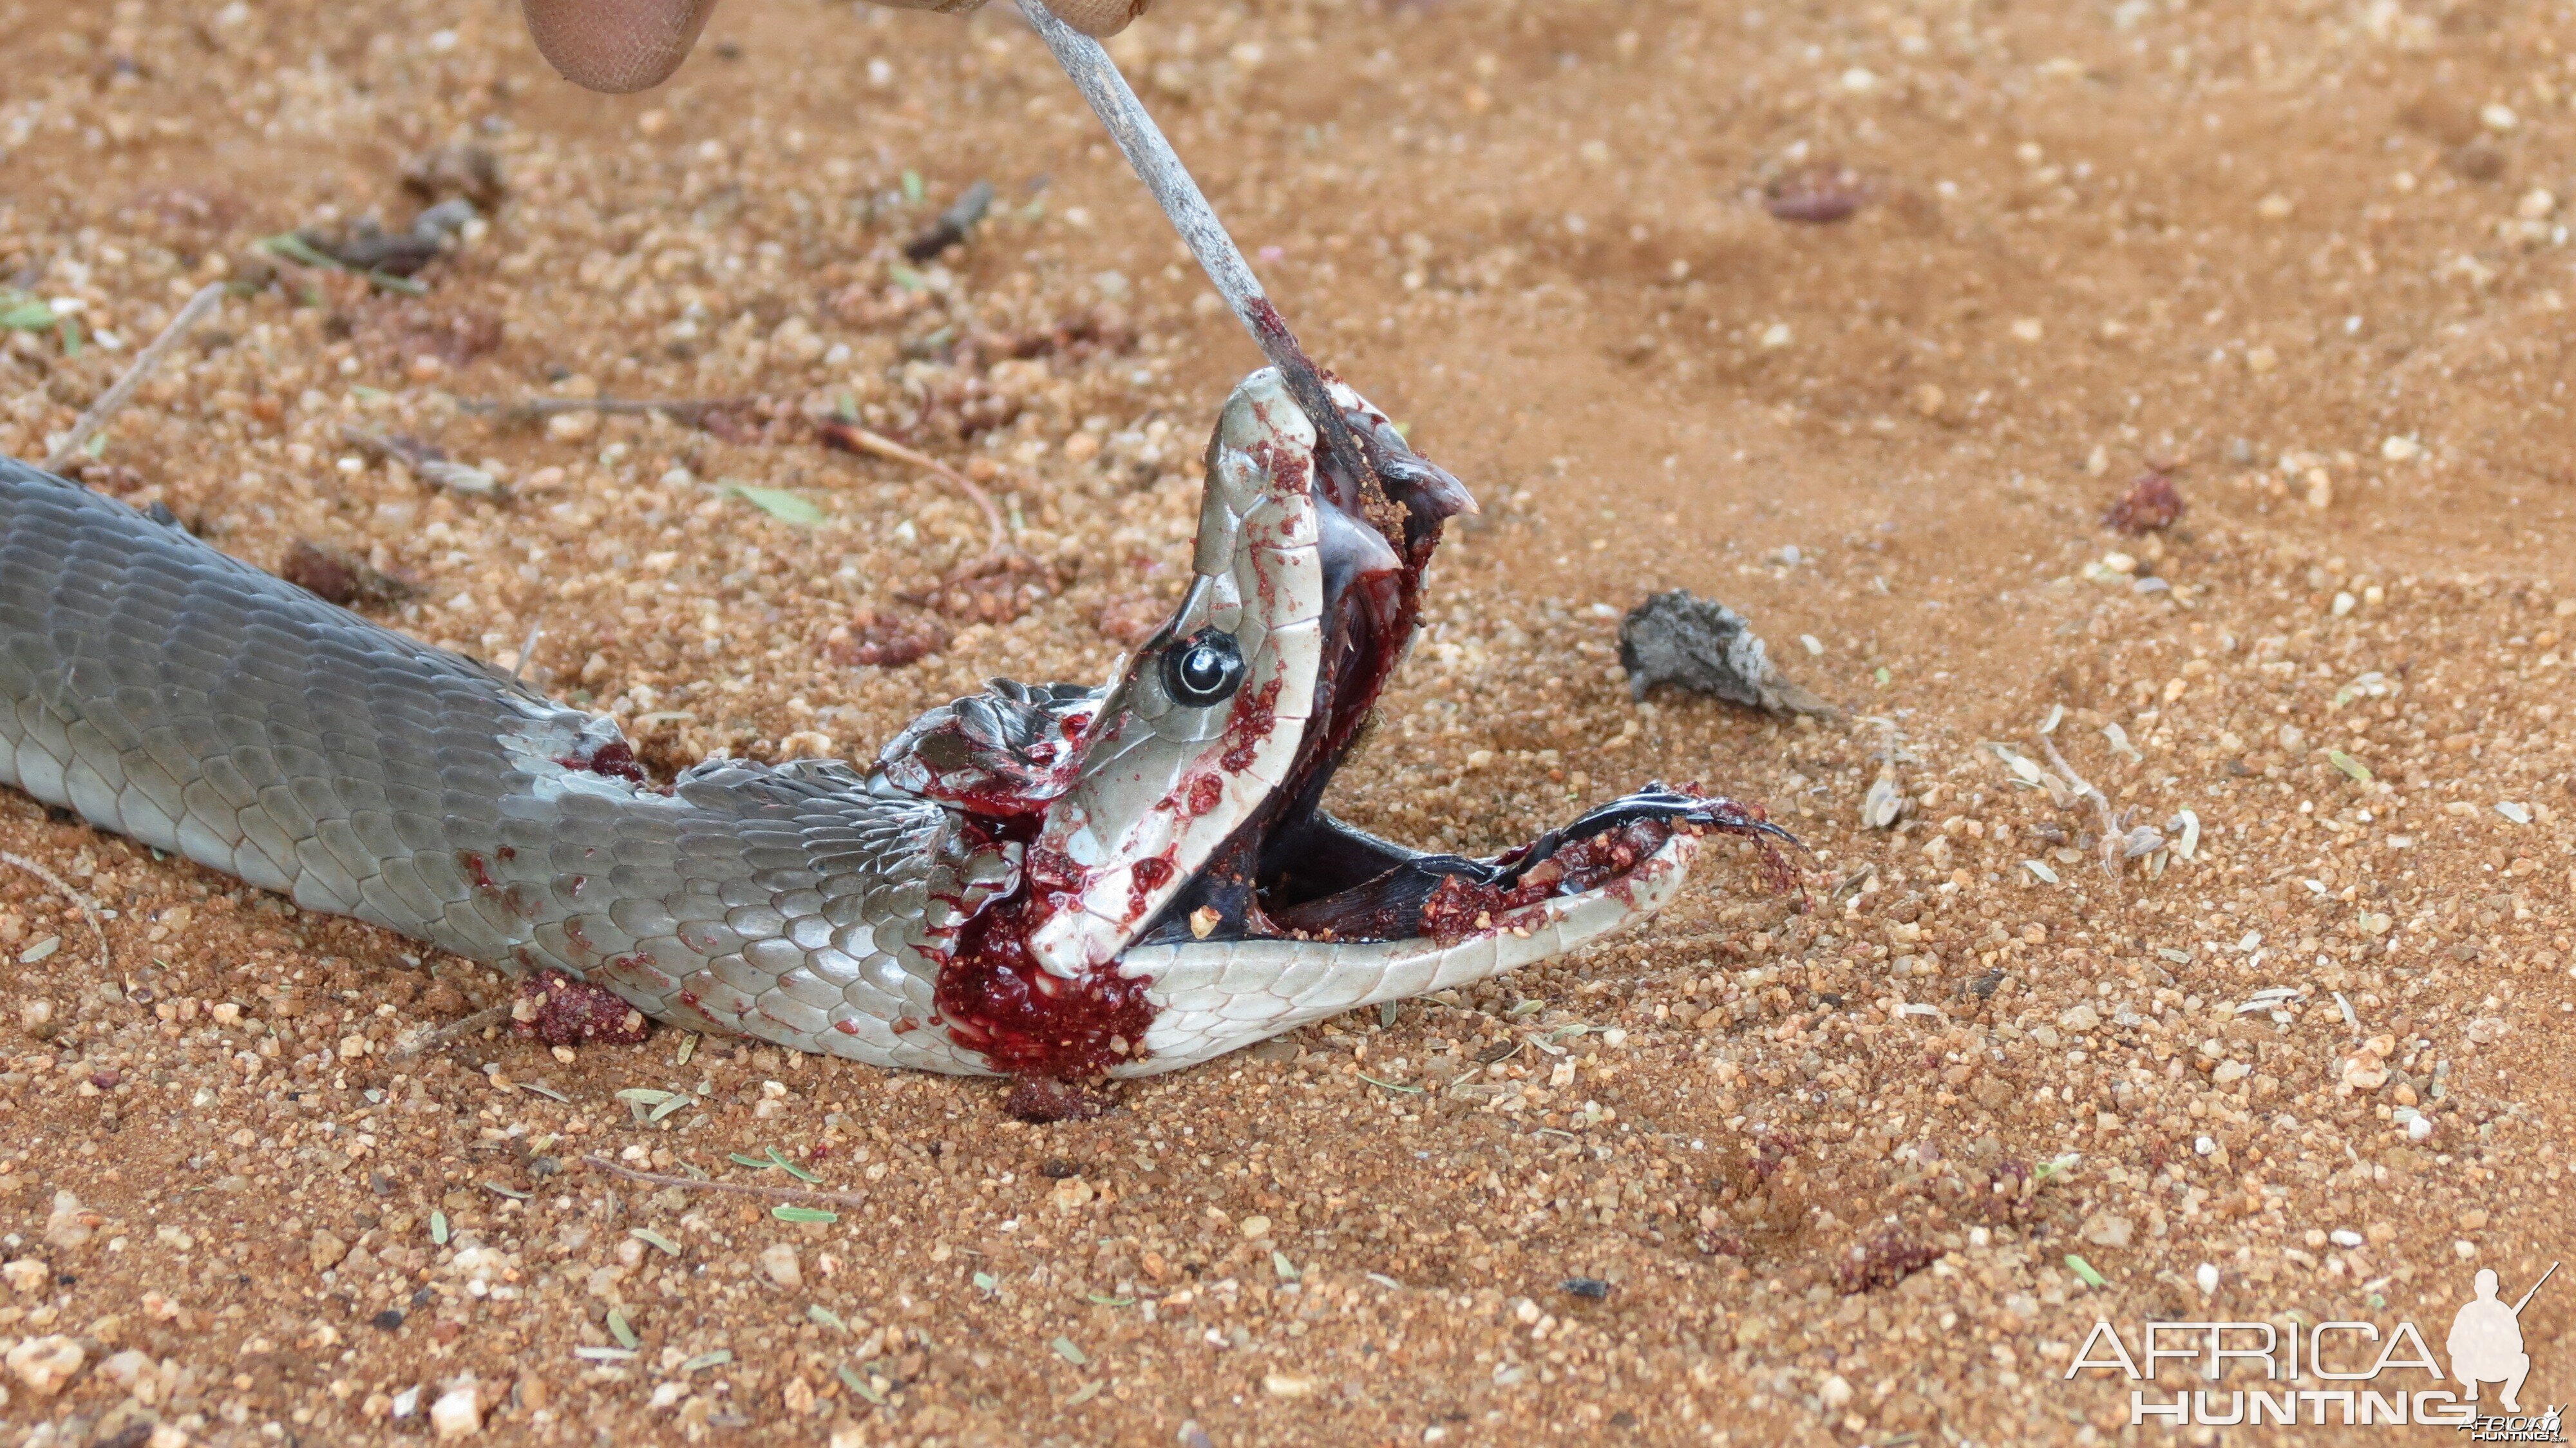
x=616, y=46
x=1099, y=18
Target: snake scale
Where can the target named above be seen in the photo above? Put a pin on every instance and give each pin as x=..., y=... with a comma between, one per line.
x=1052, y=881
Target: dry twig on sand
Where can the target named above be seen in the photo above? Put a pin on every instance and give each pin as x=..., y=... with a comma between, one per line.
x=198, y=308
x=692, y=1184
x=62, y=887
x=850, y=437
x=423, y=1040
x=692, y=413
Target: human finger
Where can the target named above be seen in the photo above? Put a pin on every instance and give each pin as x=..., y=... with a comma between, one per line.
x=616, y=46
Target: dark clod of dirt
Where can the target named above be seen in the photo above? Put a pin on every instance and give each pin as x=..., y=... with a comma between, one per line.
x=1587, y=1287
x=1692, y=643
x=1056, y=1169
x=888, y=640
x=387, y=1320
x=953, y=224
x=469, y=171
x=335, y=576
x=1039, y=1101
x=560, y=1011
x=2151, y=504
x=1883, y=1261
x=367, y=246
x=1815, y=194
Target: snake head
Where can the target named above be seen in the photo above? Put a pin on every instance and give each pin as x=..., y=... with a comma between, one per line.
x=1183, y=890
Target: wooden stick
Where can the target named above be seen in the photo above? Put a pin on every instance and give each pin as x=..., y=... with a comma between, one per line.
x=1159, y=167
x=116, y=396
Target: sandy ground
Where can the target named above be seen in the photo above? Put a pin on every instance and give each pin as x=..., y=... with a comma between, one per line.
x=1837, y=1169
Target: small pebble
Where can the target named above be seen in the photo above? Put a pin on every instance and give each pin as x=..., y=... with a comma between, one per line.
x=45, y=1364
x=458, y=1412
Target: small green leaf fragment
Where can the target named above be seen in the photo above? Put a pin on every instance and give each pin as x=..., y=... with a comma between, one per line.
x=908, y=279
x=676, y=1103
x=622, y=1330
x=1084, y=1394
x=857, y=1382
x=1103, y=1299
x=786, y=507
x=738, y=1159
x=651, y=1238
x=27, y=317
x=1390, y=1085
x=1883, y=677
x=822, y=1316
x=804, y=1214
x=296, y=249
x=791, y=1168
x=2353, y=769
x=706, y=1360
x=2085, y=1270
x=510, y=1192
x=988, y=1283
x=913, y=189
x=1280, y=1264
x=1065, y=1349
x=438, y=1228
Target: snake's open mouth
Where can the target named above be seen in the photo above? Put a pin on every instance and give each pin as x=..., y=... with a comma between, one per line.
x=1185, y=889
x=1295, y=872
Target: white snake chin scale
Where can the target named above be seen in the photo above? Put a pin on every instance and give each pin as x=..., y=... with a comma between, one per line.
x=172, y=694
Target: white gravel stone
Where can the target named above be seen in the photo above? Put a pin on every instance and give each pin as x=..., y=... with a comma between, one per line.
x=44, y=1364
x=458, y=1413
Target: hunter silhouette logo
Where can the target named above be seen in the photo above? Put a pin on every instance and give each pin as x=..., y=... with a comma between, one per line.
x=2404, y=1383
x=2486, y=1340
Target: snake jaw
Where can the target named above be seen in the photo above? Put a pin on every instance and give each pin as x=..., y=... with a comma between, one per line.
x=1182, y=891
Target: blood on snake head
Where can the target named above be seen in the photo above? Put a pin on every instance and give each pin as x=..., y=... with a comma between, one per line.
x=1178, y=888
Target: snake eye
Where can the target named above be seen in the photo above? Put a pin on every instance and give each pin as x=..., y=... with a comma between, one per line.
x=1206, y=669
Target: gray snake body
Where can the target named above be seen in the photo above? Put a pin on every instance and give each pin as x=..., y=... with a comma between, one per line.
x=1082, y=861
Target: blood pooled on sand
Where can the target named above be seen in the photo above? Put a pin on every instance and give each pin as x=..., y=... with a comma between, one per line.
x=560, y=1010
x=2151, y=504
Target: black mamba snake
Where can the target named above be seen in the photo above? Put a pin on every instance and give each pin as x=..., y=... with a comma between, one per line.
x=1043, y=882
